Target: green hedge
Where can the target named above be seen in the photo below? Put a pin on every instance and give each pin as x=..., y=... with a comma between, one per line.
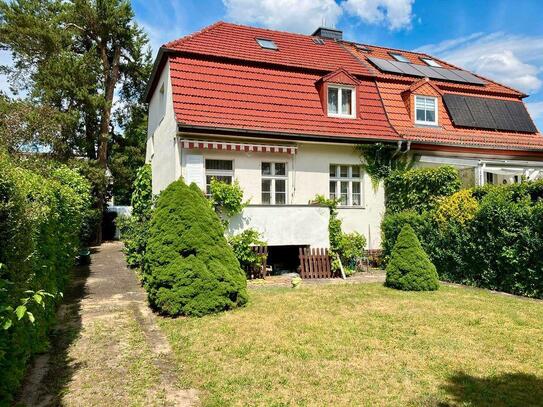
x=419, y=189
x=189, y=268
x=41, y=218
x=499, y=246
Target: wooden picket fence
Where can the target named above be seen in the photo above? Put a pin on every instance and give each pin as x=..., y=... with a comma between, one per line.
x=315, y=263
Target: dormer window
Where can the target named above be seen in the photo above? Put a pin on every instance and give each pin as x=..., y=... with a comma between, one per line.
x=426, y=110
x=398, y=57
x=266, y=44
x=341, y=101
x=430, y=62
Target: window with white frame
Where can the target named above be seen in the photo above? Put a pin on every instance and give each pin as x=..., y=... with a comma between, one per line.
x=221, y=170
x=274, y=183
x=426, y=110
x=346, y=184
x=341, y=101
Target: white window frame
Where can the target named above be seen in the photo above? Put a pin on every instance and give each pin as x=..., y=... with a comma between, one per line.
x=338, y=179
x=431, y=62
x=217, y=173
x=339, y=101
x=273, y=178
x=424, y=122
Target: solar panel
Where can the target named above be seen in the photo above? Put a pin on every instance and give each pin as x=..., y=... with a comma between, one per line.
x=487, y=113
x=458, y=110
x=429, y=72
x=468, y=77
x=449, y=75
x=407, y=68
x=501, y=115
x=520, y=116
x=384, y=65
x=481, y=113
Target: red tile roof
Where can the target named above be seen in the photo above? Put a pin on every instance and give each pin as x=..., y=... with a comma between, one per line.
x=223, y=79
x=294, y=50
x=223, y=95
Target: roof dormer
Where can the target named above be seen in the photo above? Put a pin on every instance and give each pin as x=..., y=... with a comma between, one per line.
x=338, y=94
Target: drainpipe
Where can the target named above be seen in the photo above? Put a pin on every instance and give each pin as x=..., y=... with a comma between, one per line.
x=399, y=148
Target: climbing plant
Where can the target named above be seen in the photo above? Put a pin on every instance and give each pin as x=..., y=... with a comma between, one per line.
x=380, y=159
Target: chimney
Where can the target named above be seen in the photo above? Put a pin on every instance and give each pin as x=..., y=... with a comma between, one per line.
x=329, y=33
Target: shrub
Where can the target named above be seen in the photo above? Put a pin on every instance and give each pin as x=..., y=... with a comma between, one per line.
x=393, y=223
x=134, y=228
x=419, y=189
x=410, y=268
x=242, y=245
x=42, y=213
x=189, y=268
x=459, y=207
x=351, y=249
x=227, y=199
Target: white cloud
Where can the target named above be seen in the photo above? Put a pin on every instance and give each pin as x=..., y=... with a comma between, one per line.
x=395, y=14
x=302, y=16
x=535, y=109
x=514, y=60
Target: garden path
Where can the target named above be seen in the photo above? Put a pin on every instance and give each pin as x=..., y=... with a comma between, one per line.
x=107, y=348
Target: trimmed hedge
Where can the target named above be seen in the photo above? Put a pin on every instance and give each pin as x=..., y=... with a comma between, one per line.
x=41, y=219
x=420, y=189
x=498, y=246
x=409, y=267
x=189, y=268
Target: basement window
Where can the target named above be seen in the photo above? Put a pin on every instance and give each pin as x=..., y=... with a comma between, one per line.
x=341, y=101
x=266, y=44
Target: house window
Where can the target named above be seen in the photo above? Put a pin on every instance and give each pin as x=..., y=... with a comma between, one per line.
x=490, y=178
x=346, y=184
x=266, y=44
x=398, y=57
x=221, y=170
x=274, y=183
x=426, y=110
x=430, y=62
x=341, y=101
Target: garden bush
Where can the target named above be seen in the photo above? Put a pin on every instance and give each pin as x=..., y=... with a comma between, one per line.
x=189, y=268
x=41, y=222
x=409, y=267
x=490, y=237
x=134, y=228
x=420, y=189
x=242, y=245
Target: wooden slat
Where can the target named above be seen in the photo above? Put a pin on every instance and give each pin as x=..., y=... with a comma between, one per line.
x=314, y=263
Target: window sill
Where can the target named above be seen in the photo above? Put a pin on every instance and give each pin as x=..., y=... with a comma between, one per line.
x=340, y=116
x=351, y=207
x=428, y=125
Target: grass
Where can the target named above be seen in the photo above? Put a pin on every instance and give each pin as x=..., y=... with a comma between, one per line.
x=365, y=344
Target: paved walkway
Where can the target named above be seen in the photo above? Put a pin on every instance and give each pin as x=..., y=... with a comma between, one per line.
x=107, y=348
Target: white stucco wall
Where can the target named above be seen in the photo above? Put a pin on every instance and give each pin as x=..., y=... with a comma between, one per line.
x=308, y=175
x=162, y=148
x=286, y=225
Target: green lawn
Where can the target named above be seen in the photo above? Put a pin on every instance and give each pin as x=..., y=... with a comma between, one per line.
x=364, y=344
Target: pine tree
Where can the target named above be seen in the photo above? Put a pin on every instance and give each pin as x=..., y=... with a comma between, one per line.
x=409, y=267
x=189, y=268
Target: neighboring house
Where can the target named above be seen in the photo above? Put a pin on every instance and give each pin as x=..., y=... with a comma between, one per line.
x=282, y=114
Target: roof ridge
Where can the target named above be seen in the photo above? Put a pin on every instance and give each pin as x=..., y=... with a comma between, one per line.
x=185, y=38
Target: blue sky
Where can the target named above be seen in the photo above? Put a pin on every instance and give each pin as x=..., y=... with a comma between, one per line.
x=500, y=39
x=497, y=38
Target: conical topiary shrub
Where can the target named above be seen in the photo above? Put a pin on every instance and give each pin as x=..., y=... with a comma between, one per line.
x=409, y=267
x=189, y=268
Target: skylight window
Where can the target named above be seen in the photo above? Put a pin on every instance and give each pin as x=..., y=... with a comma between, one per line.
x=399, y=57
x=266, y=44
x=431, y=62
x=318, y=41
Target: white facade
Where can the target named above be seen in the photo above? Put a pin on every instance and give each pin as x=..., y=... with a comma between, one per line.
x=307, y=173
